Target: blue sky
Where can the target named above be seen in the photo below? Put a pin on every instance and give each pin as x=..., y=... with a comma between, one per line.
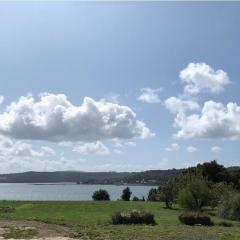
x=118, y=54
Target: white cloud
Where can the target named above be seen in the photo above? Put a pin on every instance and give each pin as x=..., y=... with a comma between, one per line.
x=191, y=149
x=118, y=151
x=97, y=148
x=55, y=118
x=1, y=99
x=202, y=77
x=19, y=156
x=149, y=95
x=173, y=147
x=215, y=121
x=19, y=149
x=216, y=149
x=176, y=105
x=133, y=144
x=118, y=145
x=48, y=151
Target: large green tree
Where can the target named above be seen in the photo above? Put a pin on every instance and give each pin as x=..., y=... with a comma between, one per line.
x=167, y=193
x=195, y=195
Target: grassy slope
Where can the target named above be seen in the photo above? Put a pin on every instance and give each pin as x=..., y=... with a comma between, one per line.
x=92, y=219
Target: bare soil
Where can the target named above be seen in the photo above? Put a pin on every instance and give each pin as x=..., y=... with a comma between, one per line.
x=45, y=231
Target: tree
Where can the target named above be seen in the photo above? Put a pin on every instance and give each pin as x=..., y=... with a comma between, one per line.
x=234, y=173
x=152, y=195
x=168, y=193
x=101, y=195
x=195, y=195
x=126, y=194
x=214, y=172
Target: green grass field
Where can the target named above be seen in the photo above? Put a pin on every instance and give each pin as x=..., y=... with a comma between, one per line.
x=91, y=220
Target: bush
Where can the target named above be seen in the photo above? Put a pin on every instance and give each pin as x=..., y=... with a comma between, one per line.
x=168, y=193
x=229, y=206
x=152, y=195
x=194, y=218
x=126, y=194
x=136, y=199
x=133, y=217
x=101, y=195
x=7, y=209
x=217, y=191
x=225, y=224
x=195, y=195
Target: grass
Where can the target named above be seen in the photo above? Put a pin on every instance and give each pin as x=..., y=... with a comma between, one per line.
x=17, y=233
x=91, y=220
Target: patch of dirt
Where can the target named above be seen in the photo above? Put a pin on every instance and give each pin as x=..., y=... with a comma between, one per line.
x=45, y=231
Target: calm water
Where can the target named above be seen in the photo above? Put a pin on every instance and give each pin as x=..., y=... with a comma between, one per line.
x=25, y=191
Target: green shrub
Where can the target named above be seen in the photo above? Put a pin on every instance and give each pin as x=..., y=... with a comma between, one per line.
x=217, y=191
x=7, y=209
x=225, y=224
x=101, y=195
x=133, y=217
x=195, y=195
x=126, y=194
x=135, y=199
x=229, y=206
x=195, y=218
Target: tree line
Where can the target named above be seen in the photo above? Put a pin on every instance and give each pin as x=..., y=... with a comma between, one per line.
x=206, y=185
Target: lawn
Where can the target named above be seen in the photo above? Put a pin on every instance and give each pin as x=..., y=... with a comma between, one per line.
x=91, y=220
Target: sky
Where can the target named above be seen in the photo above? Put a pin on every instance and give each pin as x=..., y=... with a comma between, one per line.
x=127, y=86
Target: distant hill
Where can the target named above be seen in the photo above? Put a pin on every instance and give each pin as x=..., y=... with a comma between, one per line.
x=64, y=176
x=152, y=177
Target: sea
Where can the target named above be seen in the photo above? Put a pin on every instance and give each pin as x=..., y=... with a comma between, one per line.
x=64, y=191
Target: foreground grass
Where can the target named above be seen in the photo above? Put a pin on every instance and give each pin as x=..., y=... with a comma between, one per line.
x=91, y=220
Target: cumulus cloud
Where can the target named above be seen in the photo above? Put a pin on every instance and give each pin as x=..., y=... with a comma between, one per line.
x=202, y=77
x=176, y=105
x=191, y=149
x=216, y=149
x=55, y=118
x=215, y=121
x=173, y=147
x=149, y=95
x=19, y=149
x=19, y=156
x=96, y=148
x=48, y=151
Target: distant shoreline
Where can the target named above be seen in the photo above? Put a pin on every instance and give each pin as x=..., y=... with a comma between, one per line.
x=72, y=183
